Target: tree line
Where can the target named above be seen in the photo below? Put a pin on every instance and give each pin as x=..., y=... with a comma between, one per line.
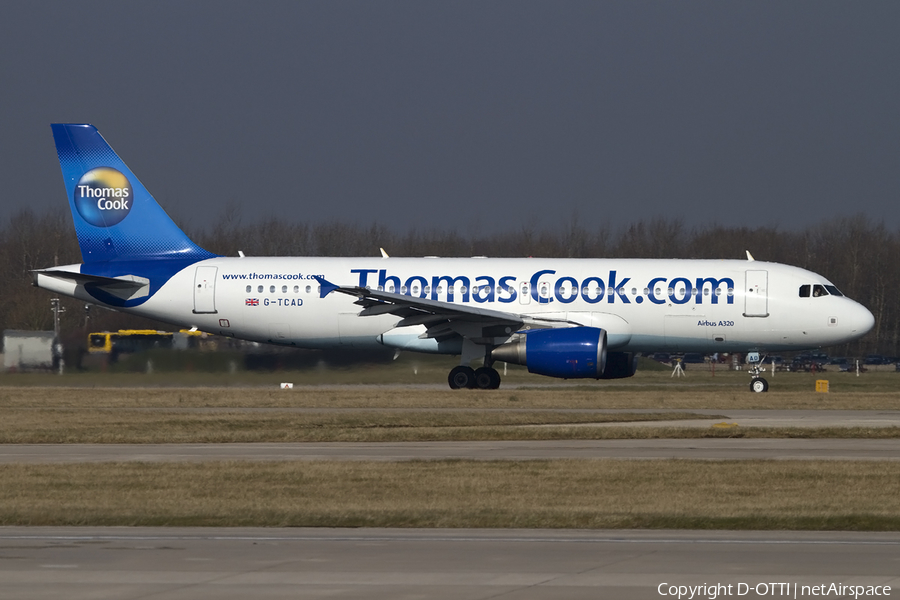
x=858, y=255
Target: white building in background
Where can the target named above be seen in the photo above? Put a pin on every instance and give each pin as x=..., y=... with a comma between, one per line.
x=28, y=350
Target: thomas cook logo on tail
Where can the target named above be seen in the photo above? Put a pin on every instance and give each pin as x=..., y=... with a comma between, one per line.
x=103, y=196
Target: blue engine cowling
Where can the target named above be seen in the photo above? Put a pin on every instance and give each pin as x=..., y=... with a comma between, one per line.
x=571, y=353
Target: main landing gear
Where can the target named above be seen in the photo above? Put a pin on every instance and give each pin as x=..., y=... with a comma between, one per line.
x=483, y=378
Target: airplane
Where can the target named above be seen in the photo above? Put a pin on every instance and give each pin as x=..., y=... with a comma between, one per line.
x=563, y=318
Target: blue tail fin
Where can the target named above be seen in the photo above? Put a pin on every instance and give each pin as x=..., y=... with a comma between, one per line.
x=115, y=217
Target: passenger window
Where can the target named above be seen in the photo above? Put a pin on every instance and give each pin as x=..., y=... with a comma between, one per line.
x=271, y=289
x=819, y=291
x=248, y=289
x=308, y=289
x=804, y=291
x=296, y=289
x=260, y=289
x=284, y=289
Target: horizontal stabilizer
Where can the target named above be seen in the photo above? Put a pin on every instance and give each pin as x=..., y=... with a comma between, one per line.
x=125, y=287
x=121, y=282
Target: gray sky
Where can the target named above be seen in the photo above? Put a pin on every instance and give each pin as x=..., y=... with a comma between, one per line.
x=470, y=115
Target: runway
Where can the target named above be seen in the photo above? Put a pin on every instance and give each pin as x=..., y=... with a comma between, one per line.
x=703, y=449
x=783, y=418
x=178, y=564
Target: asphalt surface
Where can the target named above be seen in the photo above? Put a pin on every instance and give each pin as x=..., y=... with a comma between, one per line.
x=178, y=564
x=785, y=418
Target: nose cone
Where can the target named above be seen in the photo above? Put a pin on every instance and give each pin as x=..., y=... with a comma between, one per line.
x=861, y=320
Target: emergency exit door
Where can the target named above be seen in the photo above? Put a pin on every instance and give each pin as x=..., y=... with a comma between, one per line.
x=756, y=301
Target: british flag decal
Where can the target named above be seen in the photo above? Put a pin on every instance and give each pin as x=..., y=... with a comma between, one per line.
x=251, y=302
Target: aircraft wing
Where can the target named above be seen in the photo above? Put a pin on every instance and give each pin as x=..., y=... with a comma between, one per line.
x=442, y=320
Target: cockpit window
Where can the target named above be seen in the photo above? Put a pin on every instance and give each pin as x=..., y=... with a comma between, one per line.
x=804, y=291
x=819, y=290
x=833, y=290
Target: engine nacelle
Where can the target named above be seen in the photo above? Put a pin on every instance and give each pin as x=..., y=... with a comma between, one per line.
x=620, y=365
x=570, y=353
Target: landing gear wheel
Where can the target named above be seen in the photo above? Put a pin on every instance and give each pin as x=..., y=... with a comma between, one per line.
x=487, y=378
x=759, y=385
x=461, y=377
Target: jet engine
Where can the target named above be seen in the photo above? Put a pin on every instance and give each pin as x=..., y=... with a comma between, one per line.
x=570, y=353
x=620, y=365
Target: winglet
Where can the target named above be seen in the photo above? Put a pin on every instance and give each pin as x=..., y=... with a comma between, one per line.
x=383, y=253
x=749, y=256
x=325, y=286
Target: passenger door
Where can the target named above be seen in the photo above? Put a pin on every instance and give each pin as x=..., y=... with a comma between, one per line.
x=205, y=290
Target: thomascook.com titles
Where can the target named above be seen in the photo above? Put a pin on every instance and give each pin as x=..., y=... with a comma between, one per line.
x=779, y=589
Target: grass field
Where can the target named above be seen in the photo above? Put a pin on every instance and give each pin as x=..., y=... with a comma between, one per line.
x=412, y=369
x=652, y=390
x=399, y=413
x=561, y=493
x=129, y=426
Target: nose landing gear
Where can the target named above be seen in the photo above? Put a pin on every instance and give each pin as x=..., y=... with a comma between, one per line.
x=758, y=385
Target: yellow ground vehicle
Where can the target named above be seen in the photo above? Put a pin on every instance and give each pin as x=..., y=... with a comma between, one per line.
x=128, y=340
x=137, y=340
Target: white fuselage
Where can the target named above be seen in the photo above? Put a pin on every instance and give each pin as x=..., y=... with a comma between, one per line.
x=643, y=304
